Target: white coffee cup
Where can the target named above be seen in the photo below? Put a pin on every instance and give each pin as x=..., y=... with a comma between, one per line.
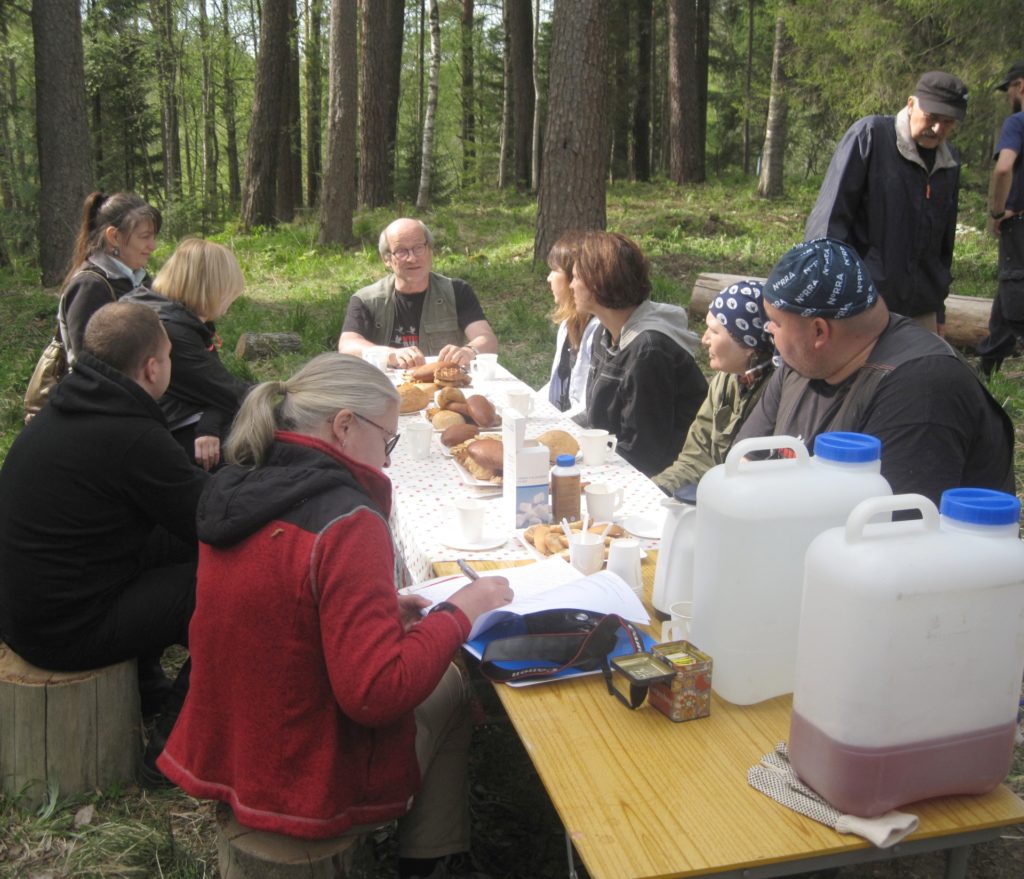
x=417, y=436
x=586, y=552
x=602, y=501
x=471, y=518
x=484, y=366
x=624, y=560
x=520, y=400
x=597, y=445
x=678, y=627
x=378, y=356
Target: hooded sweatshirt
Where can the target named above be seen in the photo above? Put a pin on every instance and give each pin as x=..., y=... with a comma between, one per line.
x=304, y=680
x=81, y=490
x=647, y=389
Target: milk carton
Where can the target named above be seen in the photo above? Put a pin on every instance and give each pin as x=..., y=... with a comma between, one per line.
x=525, y=499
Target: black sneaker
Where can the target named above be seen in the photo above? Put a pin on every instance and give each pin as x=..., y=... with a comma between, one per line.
x=150, y=777
x=990, y=365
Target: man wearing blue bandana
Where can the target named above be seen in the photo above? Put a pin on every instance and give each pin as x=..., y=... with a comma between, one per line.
x=850, y=364
x=891, y=192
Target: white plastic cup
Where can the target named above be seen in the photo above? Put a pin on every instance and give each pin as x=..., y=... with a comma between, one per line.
x=598, y=445
x=471, y=518
x=417, y=439
x=624, y=560
x=484, y=366
x=586, y=552
x=520, y=400
x=678, y=627
x=602, y=501
x=377, y=356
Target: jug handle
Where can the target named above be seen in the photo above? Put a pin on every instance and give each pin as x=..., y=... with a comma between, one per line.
x=867, y=510
x=764, y=444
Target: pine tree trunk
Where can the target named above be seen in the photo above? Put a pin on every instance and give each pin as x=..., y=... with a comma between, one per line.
x=268, y=117
x=62, y=132
x=338, y=192
x=230, y=124
x=505, y=138
x=687, y=71
x=166, y=68
x=209, y=125
x=642, y=109
x=620, y=42
x=427, y=164
x=536, y=138
x=770, y=184
x=381, y=20
x=314, y=98
x=521, y=45
x=746, y=87
x=575, y=162
x=469, y=172
x=289, y=156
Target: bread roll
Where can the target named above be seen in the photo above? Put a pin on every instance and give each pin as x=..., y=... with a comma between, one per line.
x=413, y=398
x=458, y=433
x=445, y=419
x=559, y=443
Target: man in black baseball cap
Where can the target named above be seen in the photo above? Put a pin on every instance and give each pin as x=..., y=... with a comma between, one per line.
x=891, y=193
x=1006, y=222
x=1016, y=72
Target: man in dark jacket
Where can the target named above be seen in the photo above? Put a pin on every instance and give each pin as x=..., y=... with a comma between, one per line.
x=97, y=512
x=891, y=192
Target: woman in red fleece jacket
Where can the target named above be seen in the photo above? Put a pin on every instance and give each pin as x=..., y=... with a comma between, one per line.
x=320, y=700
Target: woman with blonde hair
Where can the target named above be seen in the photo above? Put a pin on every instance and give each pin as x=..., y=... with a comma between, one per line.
x=567, y=388
x=321, y=700
x=195, y=287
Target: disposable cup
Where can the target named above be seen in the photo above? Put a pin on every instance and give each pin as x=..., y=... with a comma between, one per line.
x=624, y=560
x=586, y=552
x=677, y=627
x=597, y=445
x=471, y=518
x=484, y=366
x=602, y=501
x=417, y=439
x=521, y=401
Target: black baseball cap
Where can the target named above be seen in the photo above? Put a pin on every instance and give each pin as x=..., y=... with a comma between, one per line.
x=942, y=94
x=1016, y=72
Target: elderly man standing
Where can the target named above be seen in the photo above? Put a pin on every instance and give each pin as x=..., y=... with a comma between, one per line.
x=891, y=192
x=850, y=364
x=414, y=310
x=1006, y=208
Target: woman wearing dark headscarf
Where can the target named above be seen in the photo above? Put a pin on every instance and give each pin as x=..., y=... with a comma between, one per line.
x=740, y=350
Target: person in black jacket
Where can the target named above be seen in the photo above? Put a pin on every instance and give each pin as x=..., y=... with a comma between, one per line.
x=891, y=192
x=116, y=238
x=97, y=513
x=195, y=287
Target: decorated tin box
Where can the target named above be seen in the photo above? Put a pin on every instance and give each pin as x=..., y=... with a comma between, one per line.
x=688, y=695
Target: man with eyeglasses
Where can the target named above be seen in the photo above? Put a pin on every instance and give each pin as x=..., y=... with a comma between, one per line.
x=891, y=192
x=413, y=310
x=1006, y=207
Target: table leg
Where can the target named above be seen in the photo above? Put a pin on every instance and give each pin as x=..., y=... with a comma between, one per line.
x=956, y=862
x=572, y=864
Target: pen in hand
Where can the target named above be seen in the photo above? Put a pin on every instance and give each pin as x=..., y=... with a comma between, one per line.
x=466, y=569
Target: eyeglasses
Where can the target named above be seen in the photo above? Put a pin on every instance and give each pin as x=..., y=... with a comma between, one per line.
x=392, y=438
x=403, y=253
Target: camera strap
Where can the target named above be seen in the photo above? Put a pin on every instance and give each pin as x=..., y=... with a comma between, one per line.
x=557, y=640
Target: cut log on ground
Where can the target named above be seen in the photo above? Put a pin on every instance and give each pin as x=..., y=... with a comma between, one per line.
x=244, y=853
x=70, y=731
x=966, y=316
x=255, y=346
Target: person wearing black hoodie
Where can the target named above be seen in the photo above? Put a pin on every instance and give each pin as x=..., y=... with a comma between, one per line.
x=97, y=512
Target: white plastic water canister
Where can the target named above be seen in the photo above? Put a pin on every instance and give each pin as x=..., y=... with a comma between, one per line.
x=673, y=575
x=755, y=520
x=911, y=652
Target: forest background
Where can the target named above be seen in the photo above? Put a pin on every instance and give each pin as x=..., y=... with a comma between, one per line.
x=293, y=130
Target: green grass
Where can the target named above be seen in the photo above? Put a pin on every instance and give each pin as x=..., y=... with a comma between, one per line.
x=296, y=285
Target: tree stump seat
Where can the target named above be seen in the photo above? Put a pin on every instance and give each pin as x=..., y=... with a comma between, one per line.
x=244, y=853
x=71, y=732
x=966, y=316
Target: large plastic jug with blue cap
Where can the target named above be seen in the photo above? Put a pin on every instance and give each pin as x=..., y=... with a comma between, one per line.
x=911, y=652
x=754, y=522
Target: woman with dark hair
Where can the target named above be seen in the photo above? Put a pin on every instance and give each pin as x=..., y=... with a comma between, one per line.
x=321, y=702
x=567, y=387
x=644, y=385
x=115, y=240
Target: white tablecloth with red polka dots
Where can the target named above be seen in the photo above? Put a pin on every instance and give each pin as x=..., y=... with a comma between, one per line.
x=424, y=490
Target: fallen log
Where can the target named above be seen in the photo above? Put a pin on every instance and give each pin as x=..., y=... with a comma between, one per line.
x=255, y=346
x=966, y=316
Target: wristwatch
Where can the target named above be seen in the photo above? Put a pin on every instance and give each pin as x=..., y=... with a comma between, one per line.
x=443, y=607
x=472, y=348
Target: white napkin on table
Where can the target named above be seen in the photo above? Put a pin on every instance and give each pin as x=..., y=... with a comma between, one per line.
x=774, y=777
